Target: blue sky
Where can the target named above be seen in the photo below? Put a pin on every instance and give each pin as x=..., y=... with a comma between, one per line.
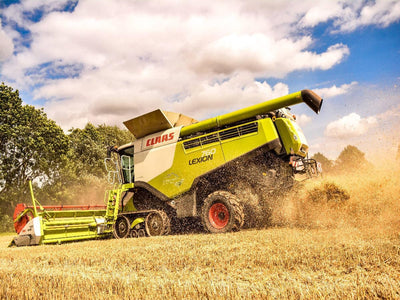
x=105, y=61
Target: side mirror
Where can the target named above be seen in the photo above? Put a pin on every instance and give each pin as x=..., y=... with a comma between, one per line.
x=111, y=149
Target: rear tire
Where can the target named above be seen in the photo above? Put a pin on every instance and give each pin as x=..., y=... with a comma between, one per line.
x=222, y=212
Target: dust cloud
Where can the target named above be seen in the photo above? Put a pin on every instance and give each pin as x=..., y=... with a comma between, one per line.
x=88, y=192
x=367, y=201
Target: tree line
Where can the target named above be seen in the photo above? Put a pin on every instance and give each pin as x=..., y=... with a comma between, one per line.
x=350, y=159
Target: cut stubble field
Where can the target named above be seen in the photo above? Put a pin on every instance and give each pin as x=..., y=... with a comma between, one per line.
x=313, y=250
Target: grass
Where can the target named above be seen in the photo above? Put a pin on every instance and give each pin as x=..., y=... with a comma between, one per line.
x=315, y=250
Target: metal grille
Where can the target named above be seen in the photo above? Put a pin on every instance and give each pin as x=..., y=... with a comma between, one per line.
x=222, y=135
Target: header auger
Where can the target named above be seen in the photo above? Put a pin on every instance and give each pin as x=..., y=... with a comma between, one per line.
x=179, y=168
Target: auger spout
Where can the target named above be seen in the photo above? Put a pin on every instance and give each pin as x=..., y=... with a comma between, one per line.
x=307, y=96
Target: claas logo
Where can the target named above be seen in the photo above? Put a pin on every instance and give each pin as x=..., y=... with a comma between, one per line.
x=159, y=139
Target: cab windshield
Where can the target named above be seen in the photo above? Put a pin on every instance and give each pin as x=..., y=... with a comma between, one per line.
x=127, y=165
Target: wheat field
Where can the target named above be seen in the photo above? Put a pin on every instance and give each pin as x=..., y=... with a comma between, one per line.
x=314, y=249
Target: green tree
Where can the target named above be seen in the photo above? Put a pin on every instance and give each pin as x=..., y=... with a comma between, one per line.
x=32, y=147
x=89, y=147
x=83, y=177
x=351, y=158
x=327, y=165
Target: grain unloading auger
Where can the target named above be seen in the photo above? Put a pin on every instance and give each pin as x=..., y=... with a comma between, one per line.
x=180, y=168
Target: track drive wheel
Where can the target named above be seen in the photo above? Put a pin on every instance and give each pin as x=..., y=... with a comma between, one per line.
x=157, y=223
x=222, y=212
x=121, y=227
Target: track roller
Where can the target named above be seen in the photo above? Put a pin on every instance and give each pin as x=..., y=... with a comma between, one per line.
x=134, y=234
x=141, y=233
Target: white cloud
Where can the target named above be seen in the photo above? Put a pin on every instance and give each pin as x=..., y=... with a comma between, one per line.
x=102, y=104
x=375, y=124
x=303, y=120
x=237, y=92
x=148, y=55
x=21, y=13
x=350, y=15
x=351, y=125
x=380, y=132
x=334, y=90
x=6, y=45
x=116, y=59
x=322, y=12
x=379, y=12
x=265, y=56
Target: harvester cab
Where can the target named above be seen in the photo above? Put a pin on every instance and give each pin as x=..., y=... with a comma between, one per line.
x=119, y=166
x=127, y=166
x=180, y=168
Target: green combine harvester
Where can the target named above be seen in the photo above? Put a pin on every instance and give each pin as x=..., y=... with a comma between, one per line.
x=179, y=168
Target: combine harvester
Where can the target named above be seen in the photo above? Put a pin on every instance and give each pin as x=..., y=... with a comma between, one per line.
x=178, y=168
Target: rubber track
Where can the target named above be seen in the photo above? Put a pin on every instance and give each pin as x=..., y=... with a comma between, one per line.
x=164, y=216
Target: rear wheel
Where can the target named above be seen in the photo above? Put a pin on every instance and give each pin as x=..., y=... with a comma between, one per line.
x=222, y=212
x=121, y=227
